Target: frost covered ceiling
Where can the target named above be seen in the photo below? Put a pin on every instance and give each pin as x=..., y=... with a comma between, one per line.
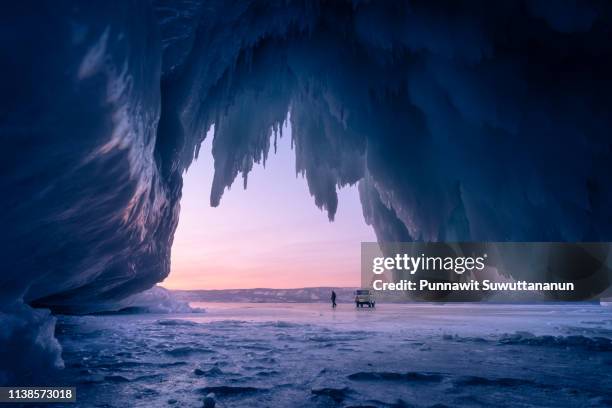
x=473, y=120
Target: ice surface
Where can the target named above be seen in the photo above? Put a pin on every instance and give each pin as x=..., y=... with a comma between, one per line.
x=307, y=355
x=29, y=350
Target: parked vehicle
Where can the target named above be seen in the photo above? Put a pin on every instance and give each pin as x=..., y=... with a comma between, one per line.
x=364, y=297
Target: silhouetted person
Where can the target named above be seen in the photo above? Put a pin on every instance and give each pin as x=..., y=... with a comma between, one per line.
x=333, y=299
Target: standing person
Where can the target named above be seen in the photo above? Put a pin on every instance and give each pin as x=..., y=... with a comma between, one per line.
x=333, y=299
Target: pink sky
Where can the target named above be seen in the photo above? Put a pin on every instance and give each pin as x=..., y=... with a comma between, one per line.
x=270, y=235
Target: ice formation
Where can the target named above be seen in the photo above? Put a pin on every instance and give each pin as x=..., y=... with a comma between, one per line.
x=479, y=121
x=156, y=300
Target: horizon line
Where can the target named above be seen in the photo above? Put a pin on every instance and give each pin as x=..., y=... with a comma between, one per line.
x=264, y=288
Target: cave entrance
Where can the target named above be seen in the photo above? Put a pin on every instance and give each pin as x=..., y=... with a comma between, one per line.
x=270, y=235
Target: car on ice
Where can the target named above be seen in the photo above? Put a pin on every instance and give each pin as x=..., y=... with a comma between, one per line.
x=364, y=297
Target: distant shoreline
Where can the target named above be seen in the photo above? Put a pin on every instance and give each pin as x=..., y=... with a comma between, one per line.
x=267, y=295
x=318, y=295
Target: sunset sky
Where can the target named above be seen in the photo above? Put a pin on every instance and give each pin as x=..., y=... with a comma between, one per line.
x=270, y=235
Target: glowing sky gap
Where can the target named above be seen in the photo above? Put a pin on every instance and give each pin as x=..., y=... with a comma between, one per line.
x=295, y=245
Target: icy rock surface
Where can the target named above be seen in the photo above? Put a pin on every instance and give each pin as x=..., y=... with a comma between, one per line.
x=485, y=122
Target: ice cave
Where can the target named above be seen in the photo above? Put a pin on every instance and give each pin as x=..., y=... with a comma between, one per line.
x=489, y=121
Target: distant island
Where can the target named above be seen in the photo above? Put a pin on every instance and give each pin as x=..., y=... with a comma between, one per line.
x=322, y=295
x=267, y=295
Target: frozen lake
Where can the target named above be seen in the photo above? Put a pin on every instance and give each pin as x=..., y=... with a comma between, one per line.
x=308, y=355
